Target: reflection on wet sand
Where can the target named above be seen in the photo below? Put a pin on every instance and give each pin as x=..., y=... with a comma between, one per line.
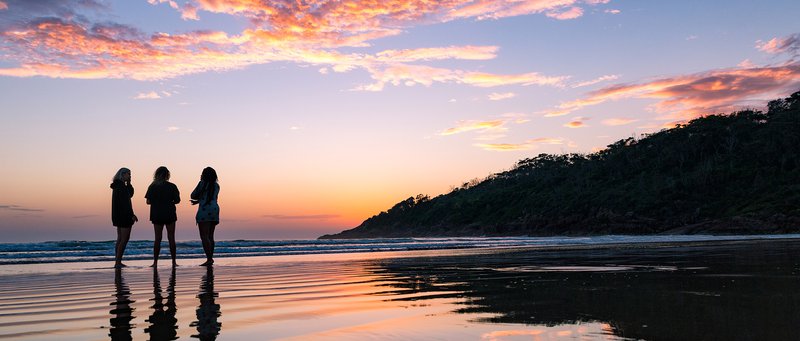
x=208, y=311
x=697, y=293
x=744, y=291
x=122, y=313
x=163, y=324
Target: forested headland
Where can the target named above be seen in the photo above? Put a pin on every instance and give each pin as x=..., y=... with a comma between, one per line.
x=735, y=173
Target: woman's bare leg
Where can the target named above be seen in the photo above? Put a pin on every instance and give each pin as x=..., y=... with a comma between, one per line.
x=207, y=238
x=123, y=235
x=171, y=237
x=159, y=231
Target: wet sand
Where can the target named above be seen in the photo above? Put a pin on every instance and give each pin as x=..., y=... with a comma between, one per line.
x=743, y=290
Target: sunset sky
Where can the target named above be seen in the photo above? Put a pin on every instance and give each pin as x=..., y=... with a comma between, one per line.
x=319, y=114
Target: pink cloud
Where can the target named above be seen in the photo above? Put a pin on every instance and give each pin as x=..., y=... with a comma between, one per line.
x=596, y=80
x=409, y=75
x=789, y=44
x=527, y=145
x=570, y=13
x=464, y=126
x=55, y=43
x=690, y=96
x=3, y=6
x=148, y=95
x=495, y=96
x=438, y=53
x=577, y=122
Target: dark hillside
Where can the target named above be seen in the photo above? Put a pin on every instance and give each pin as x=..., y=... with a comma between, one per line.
x=720, y=174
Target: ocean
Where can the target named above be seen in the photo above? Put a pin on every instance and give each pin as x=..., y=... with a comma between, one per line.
x=90, y=251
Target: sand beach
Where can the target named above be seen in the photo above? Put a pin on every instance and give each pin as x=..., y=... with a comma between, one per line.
x=729, y=290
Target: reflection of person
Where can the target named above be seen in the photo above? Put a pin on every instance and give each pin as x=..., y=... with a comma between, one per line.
x=208, y=312
x=122, y=314
x=122, y=212
x=163, y=324
x=205, y=195
x=162, y=196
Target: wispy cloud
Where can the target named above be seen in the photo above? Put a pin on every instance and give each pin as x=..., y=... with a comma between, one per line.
x=612, y=11
x=566, y=14
x=19, y=208
x=596, y=80
x=55, y=39
x=495, y=96
x=487, y=129
x=173, y=129
x=789, y=44
x=301, y=217
x=689, y=96
x=410, y=75
x=527, y=145
x=577, y=122
x=84, y=216
x=465, y=126
x=3, y=6
x=438, y=53
x=147, y=95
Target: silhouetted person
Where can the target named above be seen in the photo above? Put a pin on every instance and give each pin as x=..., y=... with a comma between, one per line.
x=205, y=195
x=163, y=324
x=122, y=312
x=122, y=211
x=208, y=312
x=162, y=196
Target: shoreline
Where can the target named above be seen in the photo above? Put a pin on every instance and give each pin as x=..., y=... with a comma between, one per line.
x=164, y=262
x=735, y=289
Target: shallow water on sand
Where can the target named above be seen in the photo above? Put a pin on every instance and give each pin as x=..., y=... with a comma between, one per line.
x=728, y=291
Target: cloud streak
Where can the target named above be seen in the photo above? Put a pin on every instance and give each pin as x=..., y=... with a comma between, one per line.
x=789, y=44
x=577, y=122
x=55, y=39
x=465, y=126
x=147, y=95
x=527, y=145
x=501, y=96
x=689, y=96
x=595, y=81
x=19, y=208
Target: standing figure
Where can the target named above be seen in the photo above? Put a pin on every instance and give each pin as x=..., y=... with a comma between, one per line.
x=122, y=212
x=205, y=196
x=162, y=196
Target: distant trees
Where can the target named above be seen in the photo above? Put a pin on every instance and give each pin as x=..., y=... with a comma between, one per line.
x=719, y=173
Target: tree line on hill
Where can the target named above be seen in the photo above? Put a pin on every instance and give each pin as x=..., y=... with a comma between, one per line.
x=720, y=174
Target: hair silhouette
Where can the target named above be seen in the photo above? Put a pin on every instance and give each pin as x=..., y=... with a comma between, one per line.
x=122, y=171
x=161, y=174
x=209, y=176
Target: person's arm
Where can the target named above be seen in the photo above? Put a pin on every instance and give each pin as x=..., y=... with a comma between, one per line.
x=196, y=192
x=147, y=195
x=130, y=189
x=177, y=198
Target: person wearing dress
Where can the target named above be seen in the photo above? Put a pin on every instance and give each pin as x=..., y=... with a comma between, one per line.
x=205, y=196
x=162, y=196
x=122, y=212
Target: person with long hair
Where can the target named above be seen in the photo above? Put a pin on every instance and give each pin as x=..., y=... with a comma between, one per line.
x=205, y=196
x=122, y=212
x=162, y=196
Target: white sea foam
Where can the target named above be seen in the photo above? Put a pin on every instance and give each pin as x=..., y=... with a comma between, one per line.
x=85, y=251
